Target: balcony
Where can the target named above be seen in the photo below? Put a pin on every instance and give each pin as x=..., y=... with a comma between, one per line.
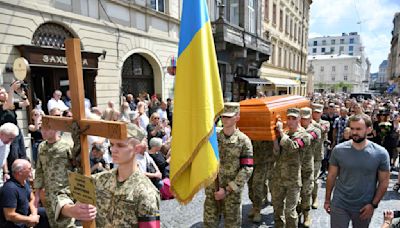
x=226, y=34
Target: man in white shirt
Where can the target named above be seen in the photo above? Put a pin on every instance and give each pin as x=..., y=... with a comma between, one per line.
x=8, y=132
x=162, y=111
x=56, y=102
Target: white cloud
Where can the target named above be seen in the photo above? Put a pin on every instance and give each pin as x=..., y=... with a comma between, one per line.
x=334, y=17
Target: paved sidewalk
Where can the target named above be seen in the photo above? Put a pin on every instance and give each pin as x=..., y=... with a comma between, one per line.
x=174, y=215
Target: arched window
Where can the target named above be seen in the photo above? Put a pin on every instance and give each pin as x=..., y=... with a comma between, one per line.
x=51, y=35
x=137, y=76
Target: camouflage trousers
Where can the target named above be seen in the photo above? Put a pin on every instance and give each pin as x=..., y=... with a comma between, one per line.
x=230, y=208
x=258, y=183
x=307, y=180
x=62, y=222
x=285, y=200
x=317, y=168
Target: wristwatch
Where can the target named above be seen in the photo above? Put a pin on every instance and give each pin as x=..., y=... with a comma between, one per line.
x=374, y=205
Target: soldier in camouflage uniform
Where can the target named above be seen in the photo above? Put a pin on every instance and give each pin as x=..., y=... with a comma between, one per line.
x=236, y=166
x=307, y=164
x=125, y=197
x=286, y=178
x=324, y=126
x=52, y=166
x=258, y=183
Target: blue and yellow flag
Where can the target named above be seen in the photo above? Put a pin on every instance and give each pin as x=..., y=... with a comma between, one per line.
x=197, y=103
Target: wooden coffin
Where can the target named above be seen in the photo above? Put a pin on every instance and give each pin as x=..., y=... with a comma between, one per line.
x=258, y=116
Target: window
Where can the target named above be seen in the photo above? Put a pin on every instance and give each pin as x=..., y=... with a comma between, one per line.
x=323, y=42
x=157, y=5
x=273, y=55
x=333, y=42
x=322, y=68
x=266, y=8
x=281, y=20
x=291, y=28
x=315, y=43
x=351, y=40
x=287, y=22
x=333, y=68
x=295, y=31
x=299, y=34
x=285, y=62
x=351, y=48
x=234, y=12
x=333, y=78
x=252, y=16
x=351, y=53
x=341, y=41
x=314, y=50
x=341, y=48
x=332, y=49
x=346, y=67
x=345, y=77
x=274, y=14
x=280, y=57
x=323, y=50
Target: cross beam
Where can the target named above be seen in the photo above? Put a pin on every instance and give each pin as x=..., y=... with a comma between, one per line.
x=107, y=129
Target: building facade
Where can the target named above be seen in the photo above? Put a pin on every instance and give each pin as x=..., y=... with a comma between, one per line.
x=127, y=46
x=336, y=73
x=241, y=46
x=393, y=70
x=382, y=80
x=346, y=44
x=286, y=24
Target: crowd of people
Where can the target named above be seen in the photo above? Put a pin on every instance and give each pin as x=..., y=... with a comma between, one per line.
x=149, y=136
x=351, y=143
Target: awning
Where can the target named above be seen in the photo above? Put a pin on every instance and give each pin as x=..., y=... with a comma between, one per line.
x=258, y=81
x=282, y=82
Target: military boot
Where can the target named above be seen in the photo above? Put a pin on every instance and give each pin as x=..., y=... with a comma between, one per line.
x=314, y=202
x=307, y=219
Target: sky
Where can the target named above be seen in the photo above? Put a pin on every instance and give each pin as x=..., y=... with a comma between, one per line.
x=373, y=19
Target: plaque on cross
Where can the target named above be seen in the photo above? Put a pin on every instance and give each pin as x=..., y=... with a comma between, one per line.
x=107, y=129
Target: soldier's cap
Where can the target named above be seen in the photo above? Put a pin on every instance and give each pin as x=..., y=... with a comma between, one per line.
x=331, y=105
x=133, y=115
x=134, y=132
x=318, y=107
x=231, y=109
x=295, y=112
x=305, y=112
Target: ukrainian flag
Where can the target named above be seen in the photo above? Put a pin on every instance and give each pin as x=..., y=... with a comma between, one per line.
x=197, y=103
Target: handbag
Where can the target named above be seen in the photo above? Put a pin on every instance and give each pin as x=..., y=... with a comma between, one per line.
x=150, y=167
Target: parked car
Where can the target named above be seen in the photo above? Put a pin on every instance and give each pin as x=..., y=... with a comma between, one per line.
x=362, y=96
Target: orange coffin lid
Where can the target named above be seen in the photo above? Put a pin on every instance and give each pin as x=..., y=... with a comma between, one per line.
x=258, y=116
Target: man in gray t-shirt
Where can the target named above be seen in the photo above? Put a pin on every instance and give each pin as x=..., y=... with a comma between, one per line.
x=356, y=166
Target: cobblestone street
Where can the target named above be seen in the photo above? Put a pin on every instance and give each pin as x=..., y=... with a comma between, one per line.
x=174, y=215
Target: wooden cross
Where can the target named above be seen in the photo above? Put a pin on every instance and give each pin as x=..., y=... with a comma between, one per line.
x=107, y=129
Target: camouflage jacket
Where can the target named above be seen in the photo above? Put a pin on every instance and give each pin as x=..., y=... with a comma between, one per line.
x=53, y=164
x=236, y=160
x=263, y=152
x=288, y=165
x=307, y=157
x=324, y=126
x=131, y=203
